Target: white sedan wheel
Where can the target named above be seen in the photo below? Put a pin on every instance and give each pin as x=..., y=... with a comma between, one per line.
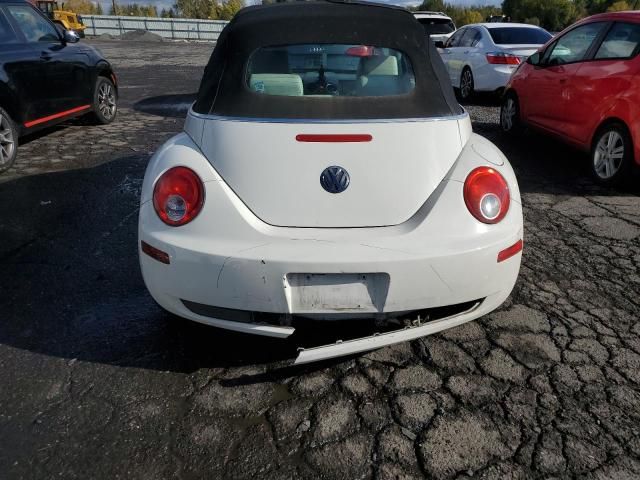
x=466, y=84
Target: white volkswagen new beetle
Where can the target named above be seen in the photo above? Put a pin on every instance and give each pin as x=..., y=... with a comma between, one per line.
x=326, y=172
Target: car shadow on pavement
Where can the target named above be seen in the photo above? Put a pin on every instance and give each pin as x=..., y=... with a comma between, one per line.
x=166, y=105
x=72, y=286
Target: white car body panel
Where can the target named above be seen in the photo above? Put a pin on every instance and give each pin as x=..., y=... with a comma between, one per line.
x=487, y=77
x=407, y=157
x=228, y=257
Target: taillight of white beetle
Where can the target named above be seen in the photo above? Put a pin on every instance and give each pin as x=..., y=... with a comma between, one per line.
x=486, y=195
x=178, y=196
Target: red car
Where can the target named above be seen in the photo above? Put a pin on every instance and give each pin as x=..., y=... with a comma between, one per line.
x=584, y=87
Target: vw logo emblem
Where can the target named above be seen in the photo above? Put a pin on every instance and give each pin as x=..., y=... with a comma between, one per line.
x=334, y=179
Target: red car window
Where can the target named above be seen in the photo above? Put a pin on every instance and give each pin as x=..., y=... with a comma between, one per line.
x=574, y=45
x=622, y=41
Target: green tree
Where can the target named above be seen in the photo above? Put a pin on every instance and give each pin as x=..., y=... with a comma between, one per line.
x=228, y=9
x=619, y=6
x=466, y=16
x=460, y=15
x=137, y=10
x=433, y=6
x=553, y=15
x=197, y=9
x=83, y=7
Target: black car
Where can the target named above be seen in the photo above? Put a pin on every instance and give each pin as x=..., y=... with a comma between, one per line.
x=46, y=77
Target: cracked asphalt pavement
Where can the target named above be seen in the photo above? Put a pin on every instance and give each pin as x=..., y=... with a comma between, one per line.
x=97, y=382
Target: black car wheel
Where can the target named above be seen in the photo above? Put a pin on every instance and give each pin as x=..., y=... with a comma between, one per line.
x=510, y=114
x=466, y=84
x=8, y=141
x=105, y=101
x=611, y=154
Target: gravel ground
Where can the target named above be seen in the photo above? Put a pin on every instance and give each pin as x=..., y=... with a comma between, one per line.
x=97, y=382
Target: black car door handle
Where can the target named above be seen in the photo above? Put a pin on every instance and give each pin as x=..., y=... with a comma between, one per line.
x=45, y=56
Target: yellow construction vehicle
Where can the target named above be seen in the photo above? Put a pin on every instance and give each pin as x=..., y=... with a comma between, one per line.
x=65, y=18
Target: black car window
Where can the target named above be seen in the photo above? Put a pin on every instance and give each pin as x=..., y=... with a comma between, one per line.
x=519, y=35
x=34, y=27
x=7, y=35
x=622, y=41
x=454, y=40
x=435, y=26
x=471, y=38
x=573, y=46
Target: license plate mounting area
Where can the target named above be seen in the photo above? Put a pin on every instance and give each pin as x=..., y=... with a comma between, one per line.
x=337, y=292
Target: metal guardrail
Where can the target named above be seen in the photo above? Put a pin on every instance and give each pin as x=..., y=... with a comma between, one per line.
x=174, y=28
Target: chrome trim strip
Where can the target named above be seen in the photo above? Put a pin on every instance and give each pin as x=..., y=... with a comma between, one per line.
x=204, y=116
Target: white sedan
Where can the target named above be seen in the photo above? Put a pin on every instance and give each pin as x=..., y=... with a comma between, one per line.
x=483, y=56
x=329, y=183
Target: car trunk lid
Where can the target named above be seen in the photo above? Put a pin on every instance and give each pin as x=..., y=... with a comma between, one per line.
x=275, y=168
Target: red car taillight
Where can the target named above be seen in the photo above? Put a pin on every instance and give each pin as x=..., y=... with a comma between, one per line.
x=178, y=196
x=501, y=58
x=486, y=195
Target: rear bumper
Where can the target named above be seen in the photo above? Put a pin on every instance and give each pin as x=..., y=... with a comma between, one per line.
x=227, y=258
x=256, y=280
x=258, y=277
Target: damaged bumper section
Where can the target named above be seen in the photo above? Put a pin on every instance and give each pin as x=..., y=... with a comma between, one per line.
x=382, y=332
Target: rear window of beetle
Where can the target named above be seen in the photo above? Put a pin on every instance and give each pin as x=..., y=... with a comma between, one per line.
x=329, y=70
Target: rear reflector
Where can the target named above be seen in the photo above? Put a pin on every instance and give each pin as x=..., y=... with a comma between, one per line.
x=334, y=138
x=510, y=252
x=154, y=253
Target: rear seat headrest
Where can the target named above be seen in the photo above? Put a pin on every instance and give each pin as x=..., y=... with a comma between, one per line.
x=379, y=65
x=287, y=84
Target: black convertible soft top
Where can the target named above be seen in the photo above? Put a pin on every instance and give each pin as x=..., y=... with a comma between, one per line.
x=223, y=89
